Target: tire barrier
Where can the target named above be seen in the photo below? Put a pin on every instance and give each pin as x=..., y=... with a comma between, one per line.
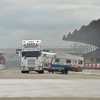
x=92, y=66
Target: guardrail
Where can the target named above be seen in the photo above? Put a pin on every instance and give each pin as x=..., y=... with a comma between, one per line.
x=91, y=72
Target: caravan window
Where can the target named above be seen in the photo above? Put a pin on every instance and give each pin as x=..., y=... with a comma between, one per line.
x=80, y=62
x=75, y=62
x=68, y=61
x=56, y=60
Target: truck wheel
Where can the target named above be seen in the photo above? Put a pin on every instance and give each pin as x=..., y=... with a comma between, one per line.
x=41, y=71
x=27, y=71
x=22, y=71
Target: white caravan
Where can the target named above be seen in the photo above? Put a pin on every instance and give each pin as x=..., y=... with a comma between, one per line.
x=62, y=62
x=31, y=59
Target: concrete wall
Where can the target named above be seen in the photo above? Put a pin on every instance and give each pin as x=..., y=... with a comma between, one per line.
x=91, y=72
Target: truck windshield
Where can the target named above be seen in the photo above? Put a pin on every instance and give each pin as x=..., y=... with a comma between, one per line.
x=31, y=54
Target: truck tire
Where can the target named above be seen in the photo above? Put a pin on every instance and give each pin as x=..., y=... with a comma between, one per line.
x=22, y=71
x=27, y=71
x=41, y=71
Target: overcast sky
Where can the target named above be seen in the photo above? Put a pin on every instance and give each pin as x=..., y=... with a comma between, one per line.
x=47, y=20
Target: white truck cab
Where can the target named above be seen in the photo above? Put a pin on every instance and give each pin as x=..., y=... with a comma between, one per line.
x=31, y=59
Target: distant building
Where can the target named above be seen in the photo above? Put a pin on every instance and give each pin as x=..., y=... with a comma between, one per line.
x=89, y=34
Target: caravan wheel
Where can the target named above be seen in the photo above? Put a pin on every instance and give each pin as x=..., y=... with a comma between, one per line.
x=63, y=71
x=66, y=71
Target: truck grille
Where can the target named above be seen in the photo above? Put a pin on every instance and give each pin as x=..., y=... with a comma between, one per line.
x=31, y=62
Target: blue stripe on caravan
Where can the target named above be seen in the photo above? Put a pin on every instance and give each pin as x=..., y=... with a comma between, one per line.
x=53, y=65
